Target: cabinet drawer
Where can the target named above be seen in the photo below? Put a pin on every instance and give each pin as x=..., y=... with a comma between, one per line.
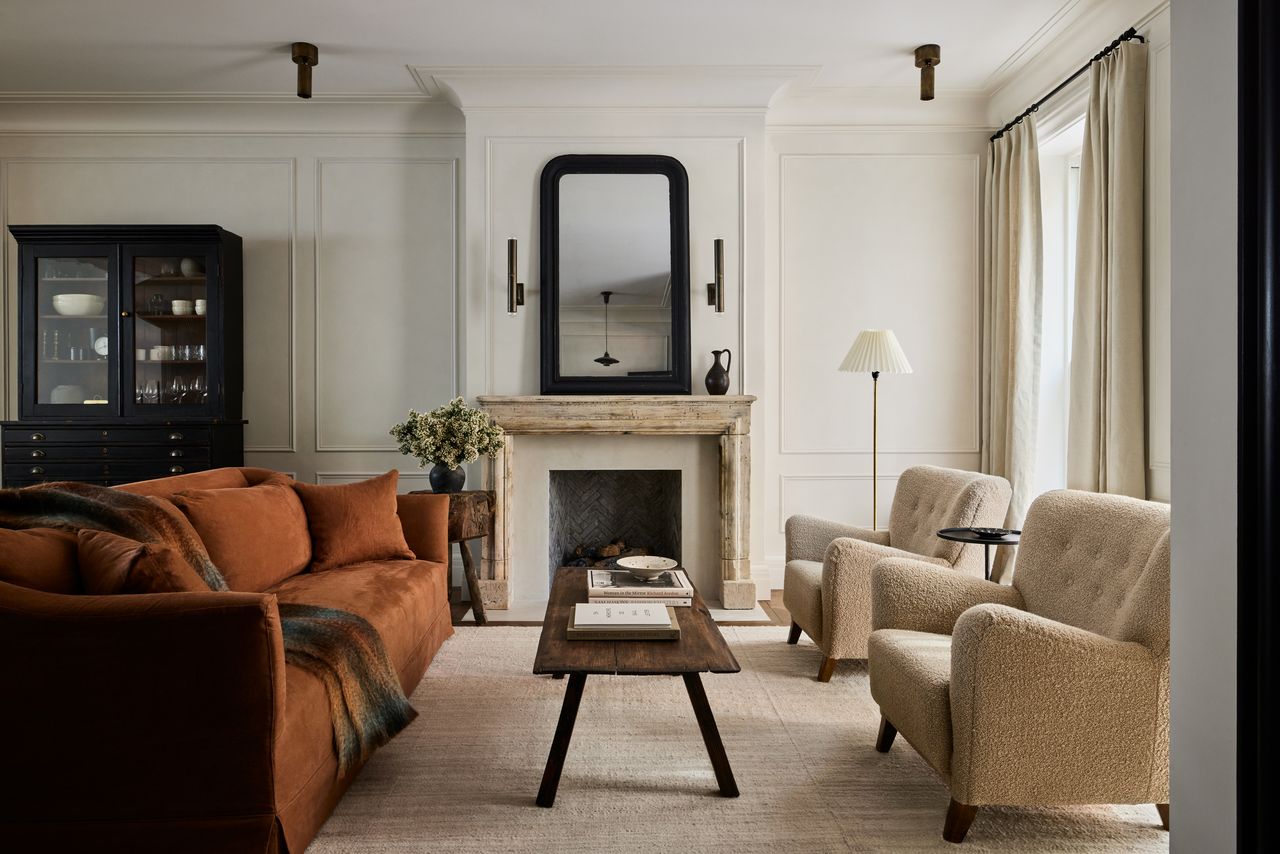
x=116, y=472
x=97, y=453
x=179, y=435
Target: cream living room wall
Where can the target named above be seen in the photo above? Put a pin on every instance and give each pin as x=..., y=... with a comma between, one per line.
x=349, y=215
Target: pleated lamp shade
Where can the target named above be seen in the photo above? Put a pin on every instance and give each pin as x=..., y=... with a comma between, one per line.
x=876, y=350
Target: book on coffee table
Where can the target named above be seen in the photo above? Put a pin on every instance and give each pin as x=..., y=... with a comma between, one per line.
x=621, y=584
x=632, y=621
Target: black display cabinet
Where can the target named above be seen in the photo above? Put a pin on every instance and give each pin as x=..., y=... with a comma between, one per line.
x=130, y=353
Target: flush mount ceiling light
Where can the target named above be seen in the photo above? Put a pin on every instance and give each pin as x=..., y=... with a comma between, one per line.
x=928, y=56
x=305, y=56
x=606, y=360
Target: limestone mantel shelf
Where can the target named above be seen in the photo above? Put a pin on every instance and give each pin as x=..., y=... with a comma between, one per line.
x=727, y=416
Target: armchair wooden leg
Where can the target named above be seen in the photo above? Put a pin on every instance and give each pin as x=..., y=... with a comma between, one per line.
x=828, y=667
x=888, y=732
x=1163, y=809
x=959, y=817
x=794, y=637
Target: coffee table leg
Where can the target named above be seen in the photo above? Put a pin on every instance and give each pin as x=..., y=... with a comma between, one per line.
x=711, y=735
x=564, y=732
x=473, y=583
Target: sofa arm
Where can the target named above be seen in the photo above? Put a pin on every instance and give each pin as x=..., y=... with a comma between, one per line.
x=148, y=707
x=918, y=596
x=808, y=536
x=425, y=520
x=846, y=593
x=1046, y=713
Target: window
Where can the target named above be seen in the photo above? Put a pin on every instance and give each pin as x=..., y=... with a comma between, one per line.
x=1060, y=205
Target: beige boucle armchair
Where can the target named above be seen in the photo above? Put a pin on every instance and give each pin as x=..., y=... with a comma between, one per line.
x=1052, y=691
x=827, y=583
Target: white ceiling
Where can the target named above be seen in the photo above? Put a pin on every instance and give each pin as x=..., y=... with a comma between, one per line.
x=242, y=46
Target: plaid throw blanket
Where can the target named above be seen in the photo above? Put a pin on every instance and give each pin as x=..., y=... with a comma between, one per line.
x=366, y=703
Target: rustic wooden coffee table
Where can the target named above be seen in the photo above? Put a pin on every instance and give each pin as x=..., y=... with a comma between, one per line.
x=701, y=648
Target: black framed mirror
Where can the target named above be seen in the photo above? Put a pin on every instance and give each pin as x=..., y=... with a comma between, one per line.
x=615, y=275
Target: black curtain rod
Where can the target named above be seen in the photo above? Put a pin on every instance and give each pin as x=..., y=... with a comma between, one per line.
x=1128, y=35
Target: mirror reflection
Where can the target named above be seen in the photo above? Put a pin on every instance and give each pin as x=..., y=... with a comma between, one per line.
x=615, y=309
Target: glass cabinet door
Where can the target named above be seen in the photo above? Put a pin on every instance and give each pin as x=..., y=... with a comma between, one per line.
x=168, y=329
x=74, y=332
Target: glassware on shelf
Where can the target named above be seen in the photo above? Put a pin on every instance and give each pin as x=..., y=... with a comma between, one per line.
x=151, y=392
x=197, y=352
x=157, y=303
x=199, y=391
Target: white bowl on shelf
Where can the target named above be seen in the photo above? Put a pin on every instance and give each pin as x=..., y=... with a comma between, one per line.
x=78, y=305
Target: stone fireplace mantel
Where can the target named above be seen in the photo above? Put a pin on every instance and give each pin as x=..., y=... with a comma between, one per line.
x=728, y=417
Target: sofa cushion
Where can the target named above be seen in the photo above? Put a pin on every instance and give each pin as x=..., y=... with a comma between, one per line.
x=39, y=559
x=911, y=680
x=354, y=522
x=257, y=535
x=163, y=487
x=400, y=598
x=111, y=564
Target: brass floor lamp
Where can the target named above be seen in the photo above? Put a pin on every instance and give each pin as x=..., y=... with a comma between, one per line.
x=876, y=351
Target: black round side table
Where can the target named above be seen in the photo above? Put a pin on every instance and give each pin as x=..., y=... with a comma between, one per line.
x=968, y=535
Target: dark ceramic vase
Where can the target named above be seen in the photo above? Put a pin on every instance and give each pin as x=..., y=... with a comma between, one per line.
x=718, y=377
x=445, y=479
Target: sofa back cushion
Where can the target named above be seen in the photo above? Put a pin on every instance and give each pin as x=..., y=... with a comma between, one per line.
x=354, y=522
x=1097, y=562
x=256, y=535
x=163, y=487
x=39, y=559
x=929, y=498
x=111, y=564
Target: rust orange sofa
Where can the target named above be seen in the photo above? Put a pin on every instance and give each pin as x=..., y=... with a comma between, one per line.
x=170, y=721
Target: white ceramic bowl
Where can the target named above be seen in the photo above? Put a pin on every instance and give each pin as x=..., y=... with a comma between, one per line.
x=182, y=307
x=647, y=567
x=78, y=305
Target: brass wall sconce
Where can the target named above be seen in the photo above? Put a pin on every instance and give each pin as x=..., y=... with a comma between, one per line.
x=305, y=56
x=515, y=290
x=928, y=56
x=715, y=290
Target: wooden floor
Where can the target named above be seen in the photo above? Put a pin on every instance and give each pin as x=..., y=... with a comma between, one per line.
x=771, y=606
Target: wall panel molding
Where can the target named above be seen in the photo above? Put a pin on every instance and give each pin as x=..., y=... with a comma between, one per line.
x=322, y=444
x=784, y=448
x=864, y=479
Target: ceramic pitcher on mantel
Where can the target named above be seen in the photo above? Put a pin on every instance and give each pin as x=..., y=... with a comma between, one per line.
x=718, y=377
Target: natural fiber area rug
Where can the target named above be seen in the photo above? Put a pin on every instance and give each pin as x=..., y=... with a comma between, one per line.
x=464, y=775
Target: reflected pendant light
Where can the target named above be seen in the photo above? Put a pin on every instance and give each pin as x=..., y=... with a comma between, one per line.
x=606, y=360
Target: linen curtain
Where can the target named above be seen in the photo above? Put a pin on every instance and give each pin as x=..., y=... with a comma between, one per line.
x=1012, y=305
x=1107, y=427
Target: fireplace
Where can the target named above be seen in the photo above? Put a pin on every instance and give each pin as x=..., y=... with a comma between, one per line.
x=596, y=515
x=706, y=438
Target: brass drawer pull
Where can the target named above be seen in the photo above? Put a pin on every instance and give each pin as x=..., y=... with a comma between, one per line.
x=176, y=452
x=175, y=436
x=176, y=469
x=37, y=469
x=37, y=454
x=37, y=437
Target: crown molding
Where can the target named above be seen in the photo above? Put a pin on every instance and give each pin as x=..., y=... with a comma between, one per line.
x=889, y=106
x=1081, y=28
x=207, y=98
x=666, y=87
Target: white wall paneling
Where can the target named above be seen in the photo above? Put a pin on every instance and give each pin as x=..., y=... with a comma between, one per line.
x=386, y=281
x=846, y=497
x=869, y=228
x=408, y=481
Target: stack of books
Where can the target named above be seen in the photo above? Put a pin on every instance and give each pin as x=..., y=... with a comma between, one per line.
x=637, y=621
x=620, y=587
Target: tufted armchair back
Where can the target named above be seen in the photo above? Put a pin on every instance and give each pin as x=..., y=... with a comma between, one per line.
x=1099, y=563
x=930, y=498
